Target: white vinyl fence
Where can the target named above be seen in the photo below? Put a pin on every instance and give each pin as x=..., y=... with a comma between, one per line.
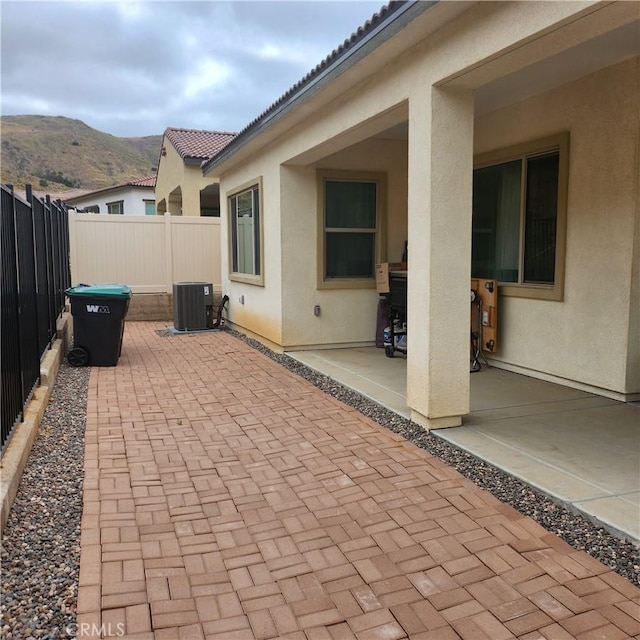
x=148, y=253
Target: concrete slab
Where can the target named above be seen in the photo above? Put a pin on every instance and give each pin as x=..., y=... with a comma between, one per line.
x=621, y=513
x=577, y=447
x=367, y=370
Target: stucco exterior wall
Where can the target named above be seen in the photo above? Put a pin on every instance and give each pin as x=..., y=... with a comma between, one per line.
x=282, y=310
x=346, y=315
x=192, y=183
x=170, y=170
x=256, y=308
x=633, y=353
x=443, y=67
x=132, y=197
x=587, y=336
x=174, y=172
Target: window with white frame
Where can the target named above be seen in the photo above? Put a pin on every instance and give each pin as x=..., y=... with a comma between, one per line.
x=519, y=218
x=245, y=233
x=116, y=208
x=149, y=207
x=350, y=227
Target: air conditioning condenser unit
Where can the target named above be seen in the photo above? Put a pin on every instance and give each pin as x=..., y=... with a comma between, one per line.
x=192, y=306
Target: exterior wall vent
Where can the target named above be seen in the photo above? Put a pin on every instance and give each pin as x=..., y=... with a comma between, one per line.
x=192, y=306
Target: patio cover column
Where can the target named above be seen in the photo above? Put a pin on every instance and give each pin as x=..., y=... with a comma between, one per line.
x=440, y=190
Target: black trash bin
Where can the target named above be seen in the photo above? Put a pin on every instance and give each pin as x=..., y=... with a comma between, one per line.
x=98, y=312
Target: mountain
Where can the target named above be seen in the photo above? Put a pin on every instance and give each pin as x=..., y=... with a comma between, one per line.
x=54, y=153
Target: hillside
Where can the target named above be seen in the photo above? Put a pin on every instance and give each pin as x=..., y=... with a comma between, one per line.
x=54, y=153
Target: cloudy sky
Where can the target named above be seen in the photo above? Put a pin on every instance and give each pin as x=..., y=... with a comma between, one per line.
x=135, y=68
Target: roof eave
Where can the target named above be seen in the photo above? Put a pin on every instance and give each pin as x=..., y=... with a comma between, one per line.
x=382, y=32
x=118, y=187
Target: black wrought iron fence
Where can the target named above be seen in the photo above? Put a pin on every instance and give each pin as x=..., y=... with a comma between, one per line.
x=34, y=273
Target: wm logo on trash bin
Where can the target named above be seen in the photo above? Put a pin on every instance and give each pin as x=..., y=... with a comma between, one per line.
x=95, y=308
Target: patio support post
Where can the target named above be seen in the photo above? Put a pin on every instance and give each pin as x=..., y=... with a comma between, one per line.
x=439, y=217
x=191, y=198
x=174, y=202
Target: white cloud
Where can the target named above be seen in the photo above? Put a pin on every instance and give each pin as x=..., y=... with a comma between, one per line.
x=25, y=105
x=134, y=68
x=131, y=11
x=284, y=53
x=208, y=74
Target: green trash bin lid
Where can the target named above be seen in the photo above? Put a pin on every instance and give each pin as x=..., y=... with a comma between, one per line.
x=101, y=290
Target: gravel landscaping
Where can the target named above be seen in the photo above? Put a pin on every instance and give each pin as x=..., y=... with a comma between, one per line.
x=40, y=550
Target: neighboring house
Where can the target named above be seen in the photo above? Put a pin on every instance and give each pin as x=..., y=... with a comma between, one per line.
x=502, y=140
x=134, y=198
x=181, y=189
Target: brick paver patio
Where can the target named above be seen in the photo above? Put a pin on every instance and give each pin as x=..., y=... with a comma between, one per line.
x=227, y=498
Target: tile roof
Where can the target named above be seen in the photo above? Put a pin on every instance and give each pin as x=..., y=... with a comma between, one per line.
x=198, y=144
x=69, y=194
x=147, y=181
x=355, y=37
x=74, y=194
x=377, y=20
